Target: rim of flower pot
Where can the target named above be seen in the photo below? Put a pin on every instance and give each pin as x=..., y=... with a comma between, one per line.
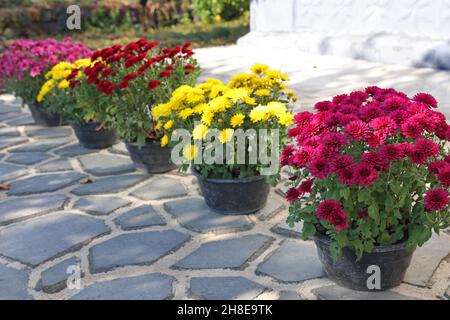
x=228, y=181
x=377, y=249
x=76, y=124
x=134, y=144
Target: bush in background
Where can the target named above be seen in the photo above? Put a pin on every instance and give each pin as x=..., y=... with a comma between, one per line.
x=208, y=10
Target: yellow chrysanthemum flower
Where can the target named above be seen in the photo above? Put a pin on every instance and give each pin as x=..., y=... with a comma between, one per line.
x=185, y=113
x=189, y=152
x=207, y=117
x=262, y=92
x=237, y=120
x=226, y=135
x=286, y=119
x=164, y=140
x=259, y=68
x=199, y=132
x=63, y=84
x=168, y=124
x=259, y=113
x=158, y=125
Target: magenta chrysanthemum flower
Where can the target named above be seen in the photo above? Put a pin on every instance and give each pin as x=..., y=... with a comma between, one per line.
x=411, y=129
x=334, y=120
x=334, y=141
x=444, y=177
x=447, y=159
x=301, y=158
x=436, y=200
x=436, y=166
x=371, y=111
x=342, y=161
x=347, y=176
x=391, y=152
x=374, y=160
x=303, y=118
x=286, y=154
x=357, y=130
x=427, y=146
x=292, y=195
x=384, y=125
x=306, y=186
x=339, y=98
x=320, y=168
x=331, y=211
x=365, y=175
x=393, y=103
x=426, y=98
x=324, y=106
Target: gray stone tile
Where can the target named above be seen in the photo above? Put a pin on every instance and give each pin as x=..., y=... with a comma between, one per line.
x=194, y=214
x=293, y=261
x=98, y=205
x=146, y=287
x=41, y=145
x=108, y=185
x=226, y=254
x=14, y=284
x=9, y=132
x=9, y=115
x=54, y=279
x=10, y=108
x=47, y=132
x=289, y=295
x=27, y=158
x=10, y=171
x=427, y=259
x=335, y=292
x=140, y=248
x=13, y=210
x=119, y=148
x=55, y=166
x=224, y=288
x=284, y=230
x=160, y=187
x=74, y=150
x=138, y=218
x=48, y=237
x=21, y=121
x=43, y=183
x=105, y=165
x=274, y=205
x=6, y=142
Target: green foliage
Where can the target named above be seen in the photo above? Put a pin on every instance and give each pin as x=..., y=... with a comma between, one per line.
x=27, y=88
x=208, y=10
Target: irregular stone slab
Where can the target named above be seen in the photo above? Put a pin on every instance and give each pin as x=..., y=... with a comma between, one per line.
x=27, y=158
x=335, y=292
x=194, y=214
x=427, y=259
x=284, y=230
x=161, y=187
x=105, y=165
x=6, y=142
x=54, y=279
x=289, y=295
x=154, y=286
x=49, y=237
x=226, y=254
x=138, y=218
x=119, y=148
x=9, y=108
x=47, y=132
x=98, y=205
x=42, y=145
x=43, y=183
x=9, y=115
x=293, y=261
x=14, y=284
x=10, y=171
x=9, y=132
x=13, y=210
x=111, y=184
x=224, y=288
x=141, y=248
x=55, y=166
x=74, y=150
x=21, y=121
x=274, y=205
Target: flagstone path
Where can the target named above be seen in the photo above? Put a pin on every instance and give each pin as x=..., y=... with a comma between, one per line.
x=137, y=236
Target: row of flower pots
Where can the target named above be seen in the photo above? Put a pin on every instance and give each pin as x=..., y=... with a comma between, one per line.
x=369, y=171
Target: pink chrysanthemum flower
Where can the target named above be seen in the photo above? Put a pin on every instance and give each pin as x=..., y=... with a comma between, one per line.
x=426, y=98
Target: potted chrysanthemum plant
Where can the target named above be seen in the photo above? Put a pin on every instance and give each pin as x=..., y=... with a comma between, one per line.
x=66, y=94
x=370, y=181
x=24, y=66
x=135, y=78
x=231, y=135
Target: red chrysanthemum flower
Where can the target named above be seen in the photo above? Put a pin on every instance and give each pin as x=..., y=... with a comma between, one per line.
x=426, y=98
x=153, y=84
x=333, y=119
x=371, y=111
x=334, y=141
x=447, y=159
x=357, y=130
x=436, y=200
x=331, y=211
x=303, y=118
x=391, y=152
x=395, y=102
x=324, y=106
x=365, y=175
x=286, y=154
x=444, y=177
x=189, y=67
x=165, y=74
x=293, y=194
x=306, y=186
x=385, y=125
x=347, y=176
x=300, y=158
x=436, y=166
x=339, y=98
x=427, y=146
x=374, y=160
x=411, y=129
x=362, y=214
x=342, y=161
x=320, y=168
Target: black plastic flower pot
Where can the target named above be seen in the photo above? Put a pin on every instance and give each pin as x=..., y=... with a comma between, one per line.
x=151, y=157
x=43, y=117
x=91, y=137
x=234, y=196
x=392, y=261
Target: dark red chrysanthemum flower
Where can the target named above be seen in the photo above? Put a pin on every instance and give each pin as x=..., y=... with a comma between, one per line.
x=339, y=98
x=347, y=176
x=286, y=154
x=384, y=125
x=444, y=177
x=300, y=158
x=324, y=106
x=447, y=159
x=334, y=141
x=372, y=90
x=436, y=200
x=153, y=84
x=165, y=74
x=303, y=118
x=426, y=98
x=411, y=129
x=436, y=166
x=333, y=119
x=395, y=102
x=391, y=152
x=331, y=211
x=320, y=168
x=365, y=175
x=357, y=130
x=342, y=161
x=362, y=214
x=293, y=194
x=373, y=159
x=427, y=146
x=189, y=67
x=306, y=186
x=371, y=111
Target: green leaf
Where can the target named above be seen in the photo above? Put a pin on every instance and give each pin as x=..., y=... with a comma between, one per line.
x=389, y=204
x=140, y=140
x=374, y=212
x=308, y=230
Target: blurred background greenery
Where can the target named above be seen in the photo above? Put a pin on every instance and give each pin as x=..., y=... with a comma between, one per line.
x=202, y=22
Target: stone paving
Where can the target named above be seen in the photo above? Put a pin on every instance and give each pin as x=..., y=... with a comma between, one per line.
x=138, y=236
